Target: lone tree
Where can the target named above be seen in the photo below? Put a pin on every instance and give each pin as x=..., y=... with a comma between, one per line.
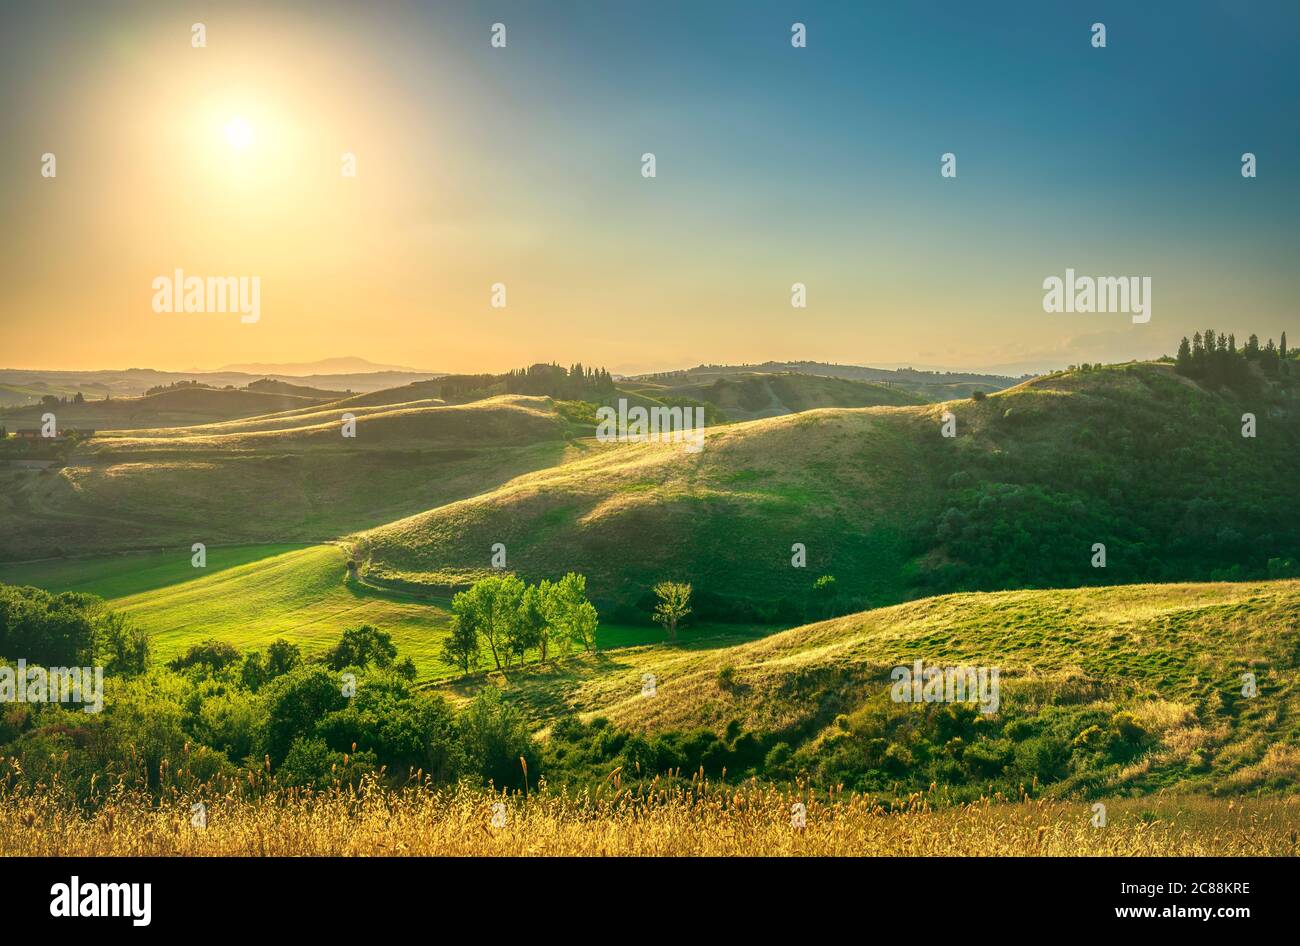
x=674, y=604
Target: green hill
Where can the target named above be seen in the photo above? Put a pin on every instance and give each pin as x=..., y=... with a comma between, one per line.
x=290, y=478
x=284, y=421
x=925, y=385
x=187, y=404
x=1104, y=690
x=498, y=421
x=1133, y=457
x=751, y=396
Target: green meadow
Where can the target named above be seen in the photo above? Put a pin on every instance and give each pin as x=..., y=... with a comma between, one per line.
x=131, y=573
x=250, y=595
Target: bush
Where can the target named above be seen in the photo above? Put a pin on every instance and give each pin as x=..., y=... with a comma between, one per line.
x=495, y=736
x=210, y=656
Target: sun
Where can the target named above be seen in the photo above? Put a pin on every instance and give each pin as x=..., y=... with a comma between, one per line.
x=239, y=133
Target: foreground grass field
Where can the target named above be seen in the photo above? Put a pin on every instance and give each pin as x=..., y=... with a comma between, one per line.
x=703, y=821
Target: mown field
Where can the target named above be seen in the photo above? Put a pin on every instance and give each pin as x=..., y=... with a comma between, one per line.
x=702, y=821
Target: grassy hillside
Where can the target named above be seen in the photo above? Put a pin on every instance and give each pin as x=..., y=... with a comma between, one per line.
x=1169, y=656
x=1132, y=456
x=117, y=576
x=294, y=420
x=751, y=396
x=925, y=385
x=499, y=421
x=178, y=406
x=291, y=478
x=299, y=595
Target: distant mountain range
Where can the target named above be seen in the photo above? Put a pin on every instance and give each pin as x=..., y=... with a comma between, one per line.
x=24, y=387
x=851, y=372
x=302, y=369
x=21, y=386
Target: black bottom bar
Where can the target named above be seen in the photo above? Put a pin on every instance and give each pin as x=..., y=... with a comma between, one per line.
x=328, y=894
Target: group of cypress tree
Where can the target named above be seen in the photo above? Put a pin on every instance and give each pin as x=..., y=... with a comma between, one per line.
x=1216, y=359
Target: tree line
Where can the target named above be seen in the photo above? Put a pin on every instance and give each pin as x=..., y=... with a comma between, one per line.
x=1216, y=359
x=575, y=383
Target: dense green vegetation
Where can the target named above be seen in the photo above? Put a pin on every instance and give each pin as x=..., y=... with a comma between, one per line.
x=68, y=630
x=247, y=595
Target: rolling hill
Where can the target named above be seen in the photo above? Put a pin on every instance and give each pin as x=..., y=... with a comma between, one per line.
x=1133, y=457
x=172, y=407
x=294, y=478
x=751, y=396
x=500, y=421
x=1165, y=660
x=923, y=384
x=336, y=374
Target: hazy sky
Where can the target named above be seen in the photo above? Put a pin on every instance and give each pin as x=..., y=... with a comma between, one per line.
x=522, y=166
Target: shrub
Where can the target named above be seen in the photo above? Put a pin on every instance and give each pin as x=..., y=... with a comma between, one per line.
x=495, y=736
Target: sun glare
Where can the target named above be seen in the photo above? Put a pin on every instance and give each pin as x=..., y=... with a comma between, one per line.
x=239, y=134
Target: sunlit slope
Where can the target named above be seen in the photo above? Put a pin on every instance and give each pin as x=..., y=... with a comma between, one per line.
x=1172, y=655
x=503, y=421
x=313, y=416
x=122, y=575
x=176, y=406
x=299, y=595
x=1133, y=457
x=296, y=484
x=724, y=517
x=250, y=595
x=747, y=397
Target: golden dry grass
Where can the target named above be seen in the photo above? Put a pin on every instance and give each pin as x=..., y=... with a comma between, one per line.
x=701, y=820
